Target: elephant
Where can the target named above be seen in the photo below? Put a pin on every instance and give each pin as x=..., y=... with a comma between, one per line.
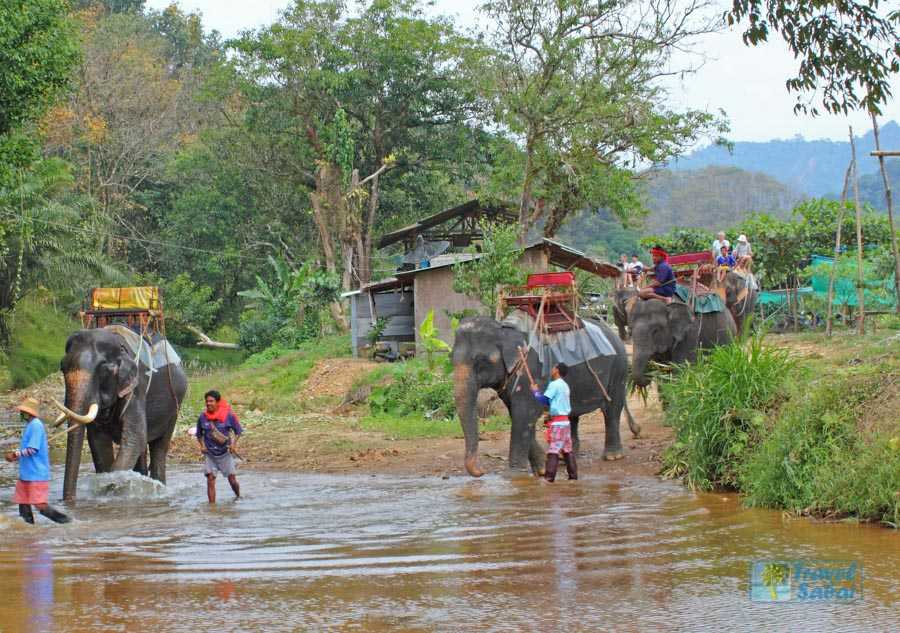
x=107, y=390
x=620, y=297
x=486, y=355
x=671, y=333
x=740, y=298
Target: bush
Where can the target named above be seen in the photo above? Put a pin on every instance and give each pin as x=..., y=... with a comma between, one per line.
x=256, y=333
x=415, y=389
x=815, y=460
x=718, y=408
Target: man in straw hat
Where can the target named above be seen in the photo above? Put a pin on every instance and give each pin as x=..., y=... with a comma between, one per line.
x=33, y=485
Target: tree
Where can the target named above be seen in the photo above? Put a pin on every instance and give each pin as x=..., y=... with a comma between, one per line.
x=135, y=105
x=38, y=49
x=46, y=238
x=847, y=48
x=495, y=263
x=576, y=84
x=340, y=104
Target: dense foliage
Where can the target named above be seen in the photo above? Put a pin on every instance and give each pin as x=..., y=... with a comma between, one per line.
x=718, y=408
x=782, y=247
x=809, y=436
x=496, y=264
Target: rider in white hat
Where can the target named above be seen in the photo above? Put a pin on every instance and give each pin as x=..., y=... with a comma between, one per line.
x=743, y=254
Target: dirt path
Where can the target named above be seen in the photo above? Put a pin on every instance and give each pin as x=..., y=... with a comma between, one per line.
x=333, y=443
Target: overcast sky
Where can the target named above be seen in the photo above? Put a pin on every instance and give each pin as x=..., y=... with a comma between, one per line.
x=748, y=83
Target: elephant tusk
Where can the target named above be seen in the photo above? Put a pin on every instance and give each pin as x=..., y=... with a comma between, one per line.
x=59, y=420
x=80, y=419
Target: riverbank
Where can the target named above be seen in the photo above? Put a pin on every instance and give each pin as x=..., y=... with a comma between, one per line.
x=801, y=423
x=821, y=445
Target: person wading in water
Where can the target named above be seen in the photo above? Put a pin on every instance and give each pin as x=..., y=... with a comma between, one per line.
x=33, y=485
x=559, y=435
x=214, y=428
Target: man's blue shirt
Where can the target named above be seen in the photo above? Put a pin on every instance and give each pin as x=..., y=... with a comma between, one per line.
x=665, y=276
x=557, y=397
x=35, y=467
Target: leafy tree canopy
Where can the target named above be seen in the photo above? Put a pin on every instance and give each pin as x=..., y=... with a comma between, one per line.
x=38, y=49
x=848, y=49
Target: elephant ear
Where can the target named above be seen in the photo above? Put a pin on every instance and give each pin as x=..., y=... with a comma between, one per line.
x=680, y=322
x=510, y=341
x=126, y=373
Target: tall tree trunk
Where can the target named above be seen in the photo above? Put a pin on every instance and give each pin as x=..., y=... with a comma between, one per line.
x=323, y=202
x=527, y=185
x=837, y=251
x=889, y=199
x=860, y=288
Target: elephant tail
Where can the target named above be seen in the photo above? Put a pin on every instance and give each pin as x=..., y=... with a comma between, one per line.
x=634, y=426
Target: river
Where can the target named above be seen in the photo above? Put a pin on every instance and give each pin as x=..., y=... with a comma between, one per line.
x=386, y=553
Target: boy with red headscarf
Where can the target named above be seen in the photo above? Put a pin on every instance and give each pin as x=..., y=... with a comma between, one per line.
x=663, y=285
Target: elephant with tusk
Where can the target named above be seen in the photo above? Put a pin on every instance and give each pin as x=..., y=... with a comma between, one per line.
x=116, y=395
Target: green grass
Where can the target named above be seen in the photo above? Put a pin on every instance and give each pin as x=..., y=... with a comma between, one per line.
x=202, y=358
x=814, y=434
x=718, y=409
x=37, y=342
x=268, y=385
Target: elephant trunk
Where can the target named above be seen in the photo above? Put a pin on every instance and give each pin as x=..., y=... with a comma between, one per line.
x=78, y=391
x=639, y=368
x=466, y=395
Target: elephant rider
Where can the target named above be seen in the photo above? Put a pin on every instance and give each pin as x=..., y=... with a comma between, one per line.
x=559, y=440
x=214, y=428
x=33, y=455
x=663, y=284
x=743, y=254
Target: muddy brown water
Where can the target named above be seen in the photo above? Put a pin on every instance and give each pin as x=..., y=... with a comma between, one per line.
x=386, y=553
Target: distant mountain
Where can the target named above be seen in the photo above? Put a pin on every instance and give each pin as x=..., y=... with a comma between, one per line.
x=815, y=168
x=871, y=187
x=712, y=198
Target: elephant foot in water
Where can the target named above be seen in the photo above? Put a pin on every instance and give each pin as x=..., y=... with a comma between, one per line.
x=613, y=455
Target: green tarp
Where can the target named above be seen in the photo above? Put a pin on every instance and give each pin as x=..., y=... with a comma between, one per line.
x=703, y=304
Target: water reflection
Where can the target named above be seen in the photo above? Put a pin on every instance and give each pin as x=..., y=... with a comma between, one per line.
x=421, y=553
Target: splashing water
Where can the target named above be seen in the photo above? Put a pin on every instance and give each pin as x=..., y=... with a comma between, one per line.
x=123, y=485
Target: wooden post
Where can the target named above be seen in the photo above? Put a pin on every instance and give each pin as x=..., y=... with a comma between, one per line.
x=860, y=294
x=837, y=250
x=889, y=198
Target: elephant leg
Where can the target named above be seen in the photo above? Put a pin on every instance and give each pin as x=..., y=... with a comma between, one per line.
x=140, y=465
x=536, y=457
x=612, y=447
x=102, y=453
x=521, y=434
x=159, y=449
x=576, y=440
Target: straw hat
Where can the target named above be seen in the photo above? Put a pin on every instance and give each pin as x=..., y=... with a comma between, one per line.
x=742, y=238
x=29, y=406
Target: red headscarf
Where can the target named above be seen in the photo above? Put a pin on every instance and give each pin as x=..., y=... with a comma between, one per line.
x=221, y=412
x=658, y=251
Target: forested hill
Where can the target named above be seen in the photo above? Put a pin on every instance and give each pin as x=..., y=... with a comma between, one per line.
x=815, y=168
x=711, y=198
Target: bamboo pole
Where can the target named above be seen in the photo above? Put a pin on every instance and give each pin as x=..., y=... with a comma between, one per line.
x=882, y=153
x=889, y=198
x=837, y=251
x=860, y=294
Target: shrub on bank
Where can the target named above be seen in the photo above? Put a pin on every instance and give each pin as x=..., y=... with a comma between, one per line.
x=820, y=438
x=414, y=388
x=718, y=408
x=817, y=459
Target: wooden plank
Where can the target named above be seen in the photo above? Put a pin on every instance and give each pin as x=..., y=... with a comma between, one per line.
x=885, y=152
